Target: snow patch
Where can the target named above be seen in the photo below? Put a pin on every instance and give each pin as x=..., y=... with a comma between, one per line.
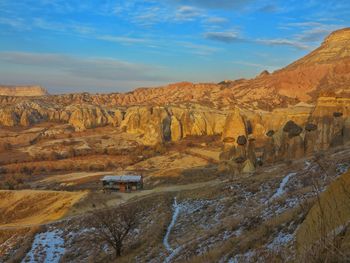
x=307, y=164
x=342, y=168
x=280, y=240
x=47, y=247
x=281, y=189
x=246, y=257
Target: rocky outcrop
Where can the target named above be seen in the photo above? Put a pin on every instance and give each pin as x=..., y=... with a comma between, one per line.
x=22, y=91
x=8, y=117
x=330, y=115
x=159, y=124
x=327, y=126
x=234, y=128
x=82, y=118
x=152, y=122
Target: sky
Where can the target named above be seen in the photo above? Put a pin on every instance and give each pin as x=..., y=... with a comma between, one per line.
x=102, y=46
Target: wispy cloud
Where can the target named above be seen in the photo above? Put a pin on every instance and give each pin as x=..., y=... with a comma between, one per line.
x=284, y=42
x=270, y=8
x=258, y=65
x=26, y=24
x=234, y=37
x=91, y=67
x=217, y=20
x=217, y=4
x=62, y=27
x=226, y=37
x=123, y=40
x=198, y=49
x=315, y=34
x=15, y=22
x=187, y=13
x=310, y=31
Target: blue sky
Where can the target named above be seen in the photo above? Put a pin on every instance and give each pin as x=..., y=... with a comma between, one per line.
x=118, y=45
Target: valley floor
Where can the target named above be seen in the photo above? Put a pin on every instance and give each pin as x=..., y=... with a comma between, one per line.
x=247, y=218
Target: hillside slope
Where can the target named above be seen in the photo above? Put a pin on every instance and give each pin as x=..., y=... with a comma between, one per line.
x=29, y=207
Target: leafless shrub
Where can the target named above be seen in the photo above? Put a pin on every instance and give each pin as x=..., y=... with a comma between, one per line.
x=114, y=226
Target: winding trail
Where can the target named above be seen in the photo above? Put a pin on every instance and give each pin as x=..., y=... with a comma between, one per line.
x=173, y=252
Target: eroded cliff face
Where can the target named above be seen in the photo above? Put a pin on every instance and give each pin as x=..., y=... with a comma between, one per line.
x=22, y=91
x=283, y=133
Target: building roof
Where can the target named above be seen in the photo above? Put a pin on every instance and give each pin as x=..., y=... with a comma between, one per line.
x=122, y=178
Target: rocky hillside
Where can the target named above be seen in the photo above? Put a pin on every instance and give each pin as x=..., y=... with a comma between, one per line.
x=26, y=91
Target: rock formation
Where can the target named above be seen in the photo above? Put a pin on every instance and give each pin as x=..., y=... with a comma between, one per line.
x=290, y=113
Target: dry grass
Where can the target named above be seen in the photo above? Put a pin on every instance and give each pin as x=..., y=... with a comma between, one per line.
x=28, y=208
x=325, y=226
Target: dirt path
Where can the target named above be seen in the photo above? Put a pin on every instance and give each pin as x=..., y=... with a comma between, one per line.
x=125, y=197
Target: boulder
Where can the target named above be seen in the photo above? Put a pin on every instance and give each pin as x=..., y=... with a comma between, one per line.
x=337, y=114
x=292, y=129
x=310, y=127
x=241, y=140
x=270, y=133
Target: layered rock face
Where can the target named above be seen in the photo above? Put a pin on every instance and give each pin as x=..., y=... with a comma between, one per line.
x=159, y=124
x=27, y=91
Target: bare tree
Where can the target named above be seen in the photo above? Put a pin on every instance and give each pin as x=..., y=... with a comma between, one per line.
x=115, y=225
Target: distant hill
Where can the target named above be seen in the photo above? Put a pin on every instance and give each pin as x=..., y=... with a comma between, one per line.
x=22, y=91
